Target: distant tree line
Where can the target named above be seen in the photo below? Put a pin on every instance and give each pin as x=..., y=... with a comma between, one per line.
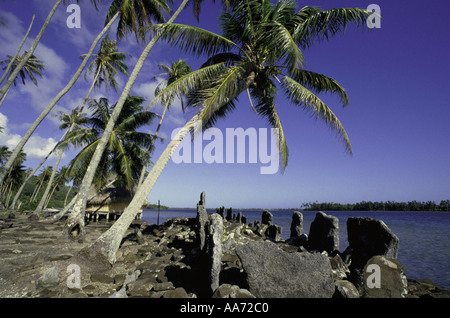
x=444, y=205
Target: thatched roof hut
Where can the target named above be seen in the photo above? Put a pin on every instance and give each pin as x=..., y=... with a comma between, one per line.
x=110, y=199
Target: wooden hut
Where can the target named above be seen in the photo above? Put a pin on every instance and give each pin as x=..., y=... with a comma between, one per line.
x=108, y=203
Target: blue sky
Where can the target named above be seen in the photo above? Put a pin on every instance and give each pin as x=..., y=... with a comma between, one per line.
x=397, y=119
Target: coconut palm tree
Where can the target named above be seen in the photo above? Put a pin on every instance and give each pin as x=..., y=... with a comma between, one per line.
x=125, y=153
x=69, y=85
x=106, y=64
x=172, y=73
x=79, y=202
x=32, y=68
x=136, y=15
x=261, y=42
x=18, y=51
x=14, y=177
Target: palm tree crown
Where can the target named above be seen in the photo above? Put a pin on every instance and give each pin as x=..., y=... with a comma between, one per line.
x=260, y=50
x=107, y=62
x=125, y=154
x=32, y=68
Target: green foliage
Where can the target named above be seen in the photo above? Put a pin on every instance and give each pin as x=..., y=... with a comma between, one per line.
x=379, y=206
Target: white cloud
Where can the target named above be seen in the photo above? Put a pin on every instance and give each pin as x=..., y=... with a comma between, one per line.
x=37, y=147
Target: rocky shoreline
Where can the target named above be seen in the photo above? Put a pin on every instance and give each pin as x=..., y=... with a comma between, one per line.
x=211, y=256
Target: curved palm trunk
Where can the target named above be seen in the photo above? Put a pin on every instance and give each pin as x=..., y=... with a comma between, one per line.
x=76, y=218
x=141, y=177
x=109, y=242
x=17, y=52
x=19, y=192
x=44, y=198
x=52, y=104
x=5, y=88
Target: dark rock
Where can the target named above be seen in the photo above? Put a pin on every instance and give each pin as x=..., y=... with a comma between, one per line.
x=345, y=289
x=267, y=218
x=298, y=241
x=214, y=249
x=202, y=218
x=239, y=217
x=324, y=233
x=389, y=282
x=273, y=232
x=272, y=272
x=297, y=224
x=367, y=237
x=229, y=214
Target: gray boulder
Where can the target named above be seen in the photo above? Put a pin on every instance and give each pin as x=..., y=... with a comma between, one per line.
x=324, y=233
x=49, y=278
x=274, y=273
x=345, y=289
x=389, y=282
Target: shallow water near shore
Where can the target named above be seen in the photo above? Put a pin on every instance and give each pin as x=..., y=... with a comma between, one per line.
x=424, y=248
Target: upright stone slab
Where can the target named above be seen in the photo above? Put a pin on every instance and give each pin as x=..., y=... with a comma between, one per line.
x=229, y=214
x=267, y=218
x=273, y=232
x=324, y=233
x=202, y=218
x=368, y=237
x=214, y=249
x=296, y=224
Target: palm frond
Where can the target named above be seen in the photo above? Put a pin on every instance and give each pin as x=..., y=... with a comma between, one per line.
x=193, y=39
x=312, y=24
x=300, y=95
x=320, y=83
x=189, y=82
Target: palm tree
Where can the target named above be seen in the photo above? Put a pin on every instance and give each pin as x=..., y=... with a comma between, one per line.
x=125, y=154
x=55, y=100
x=106, y=64
x=136, y=14
x=18, y=51
x=172, y=73
x=79, y=203
x=267, y=41
x=32, y=68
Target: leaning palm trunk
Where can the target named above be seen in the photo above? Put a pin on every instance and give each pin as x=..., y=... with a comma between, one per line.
x=5, y=88
x=141, y=177
x=19, y=192
x=76, y=217
x=52, y=104
x=17, y=53
x=109, y=242
x=44, y=198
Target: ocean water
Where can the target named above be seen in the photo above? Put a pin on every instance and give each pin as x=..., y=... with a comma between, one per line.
x=424, y=237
